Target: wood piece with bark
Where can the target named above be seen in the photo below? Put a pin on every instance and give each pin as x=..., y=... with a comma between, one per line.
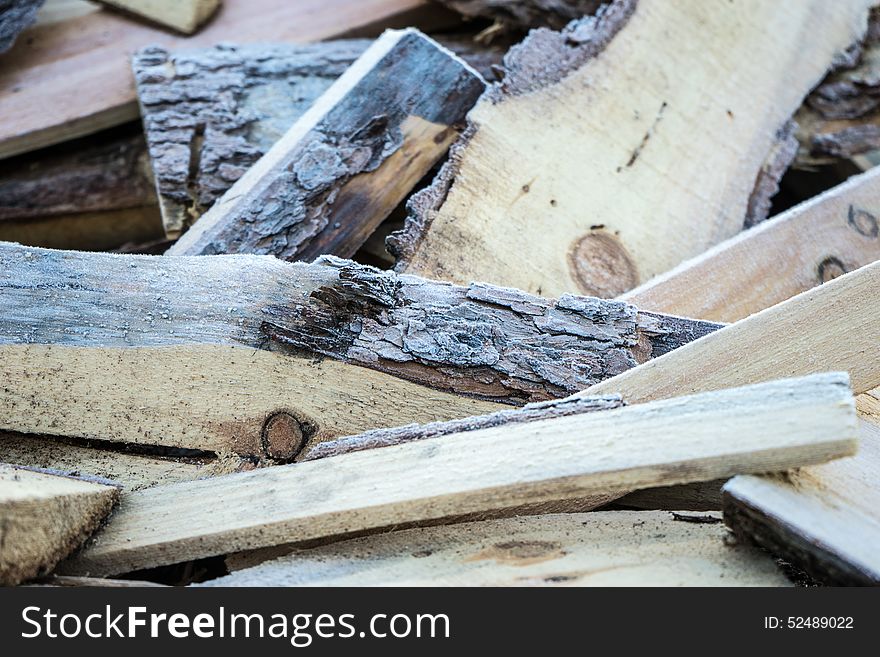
x=576, y=206
x=825, y=519
x=224, y=347
x=585, y=457
x=211, y=113
x=808, y=245
x=15, y=17
x=185, y=16
x=45, y=517
x=604, y=548
x=92, y=52
x=341, y=169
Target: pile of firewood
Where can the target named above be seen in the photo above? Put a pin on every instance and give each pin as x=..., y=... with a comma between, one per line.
x=492, y=299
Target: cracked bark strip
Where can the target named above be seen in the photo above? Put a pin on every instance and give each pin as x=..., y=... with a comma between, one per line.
x=400, y=435
x=524, y=16
x=565, y=207
x=15, y=17
x=228, y=352
x=341, y=169
x=210, y=113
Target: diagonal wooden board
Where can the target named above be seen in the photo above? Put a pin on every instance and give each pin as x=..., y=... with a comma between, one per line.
x=349, y=160
x=43, y=77
x=586, y=457
x=603, y=548
x=44, y=517
x=225, y=348
x=810, y=244
x=571, y=177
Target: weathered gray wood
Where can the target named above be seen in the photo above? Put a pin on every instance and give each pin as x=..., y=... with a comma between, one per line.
x=346, y=163
x=503, y=470
x=491, y=342
x=525, y=15
x=211, y=113
x=16, y=16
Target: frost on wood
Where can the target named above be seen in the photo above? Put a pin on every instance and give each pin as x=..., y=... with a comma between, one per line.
x=15, y=17
x=481, y=340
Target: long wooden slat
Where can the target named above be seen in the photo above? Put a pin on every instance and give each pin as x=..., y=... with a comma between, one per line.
x=764, y=428
x=43, y=77
x=569, y=204
x=340, y=170
x=610, y=548
x=44, y=517
x=810, y=244
x=224, y=348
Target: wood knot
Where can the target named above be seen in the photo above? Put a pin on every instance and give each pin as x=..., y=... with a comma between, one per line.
x=283, y=436
x=830, y=268
x=863, y=222
x=601, y=266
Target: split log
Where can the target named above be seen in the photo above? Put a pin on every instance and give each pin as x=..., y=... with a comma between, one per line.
x=826, y=519
x=587, y=456
x=185, y=16
x=44, y=518
x=577, y=221
x=209, y=114
x=92, y=52
x=129, y=470
x=15, y=17
x=527, y=15
x=611, y=548
x=224, y=348
x=342, y=168
x=806, y=246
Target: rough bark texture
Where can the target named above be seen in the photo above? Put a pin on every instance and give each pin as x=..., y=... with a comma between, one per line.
x=778, y=160
x=209, y=114
x=411, y=432
x=108, y=173
x=523, y=16
x=543, y=58
x=15, y=17
x=841, y=117
x=481, y=340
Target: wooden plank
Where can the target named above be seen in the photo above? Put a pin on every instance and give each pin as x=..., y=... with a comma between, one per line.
x=45, y=517
x=610, y=548
x=764, y=428
x=565, y=206
x=818, y=330
x=185, y=16
x=349, y=160
x=810, y=244
x=15, y=17
x=204, y=133
x=825, y=518
x=41, y=82
x=220, y=346
x=129, y=470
